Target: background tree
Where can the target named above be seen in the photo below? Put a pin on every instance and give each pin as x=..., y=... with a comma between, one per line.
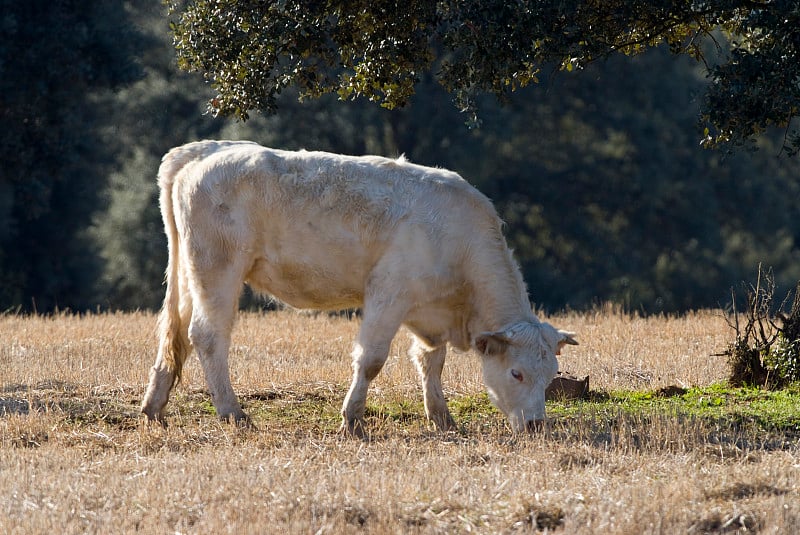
x=252, y=50
x=162, y=109
x=56, y=58
x=598, y=174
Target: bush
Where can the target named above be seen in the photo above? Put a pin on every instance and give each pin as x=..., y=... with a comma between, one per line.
x=766, y=350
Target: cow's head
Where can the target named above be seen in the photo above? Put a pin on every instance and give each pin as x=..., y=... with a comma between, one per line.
x=518, y=364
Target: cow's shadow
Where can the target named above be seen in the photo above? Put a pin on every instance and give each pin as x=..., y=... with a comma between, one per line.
x=70, y=401
x=18, y=398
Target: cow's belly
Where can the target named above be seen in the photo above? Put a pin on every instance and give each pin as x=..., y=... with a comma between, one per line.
x=314, y=262
x=309, y=256
x=305, y=285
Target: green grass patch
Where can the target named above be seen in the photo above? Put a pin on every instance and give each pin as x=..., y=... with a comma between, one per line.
x=472, y=407
x=317, y=410
x=717, y=410
x=770, y=410
x=399, y=411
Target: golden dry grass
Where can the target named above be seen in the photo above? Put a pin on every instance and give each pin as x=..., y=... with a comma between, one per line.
x=75, y=457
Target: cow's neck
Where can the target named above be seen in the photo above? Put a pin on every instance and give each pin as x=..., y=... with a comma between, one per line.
x=500, y=298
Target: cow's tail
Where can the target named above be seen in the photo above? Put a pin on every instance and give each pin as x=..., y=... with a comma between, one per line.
x=173, y=328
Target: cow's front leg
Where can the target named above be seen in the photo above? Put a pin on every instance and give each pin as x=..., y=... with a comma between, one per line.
x=368, y=359
x=430, y=362
x=210, y=334
x=378, y=327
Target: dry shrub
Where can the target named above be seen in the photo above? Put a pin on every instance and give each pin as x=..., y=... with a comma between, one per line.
x=766, y=348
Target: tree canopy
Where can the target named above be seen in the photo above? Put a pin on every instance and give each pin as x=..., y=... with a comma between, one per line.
x=252, y=50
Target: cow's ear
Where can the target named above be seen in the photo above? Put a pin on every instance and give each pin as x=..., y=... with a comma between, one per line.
x=567, y=338
x=492, y=343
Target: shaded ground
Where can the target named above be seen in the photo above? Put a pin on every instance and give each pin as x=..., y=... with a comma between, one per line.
x=743, y=418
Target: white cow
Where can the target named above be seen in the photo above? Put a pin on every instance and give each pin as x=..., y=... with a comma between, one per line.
x=411, y=245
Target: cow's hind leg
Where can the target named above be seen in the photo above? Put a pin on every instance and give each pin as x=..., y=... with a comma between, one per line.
x=162, y=379
x=430, y=362
x=378, y=327
x=173, y=349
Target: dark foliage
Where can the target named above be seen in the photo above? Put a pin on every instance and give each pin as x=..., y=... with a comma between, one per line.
x=598, y=174
x=55, y=58
x=253, y=50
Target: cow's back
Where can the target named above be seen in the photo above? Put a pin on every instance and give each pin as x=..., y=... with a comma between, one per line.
x=374, y=192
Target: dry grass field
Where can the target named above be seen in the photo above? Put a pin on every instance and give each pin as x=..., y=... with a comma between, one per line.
x=76, y=458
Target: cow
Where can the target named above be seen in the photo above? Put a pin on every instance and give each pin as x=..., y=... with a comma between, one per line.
x=410, y=245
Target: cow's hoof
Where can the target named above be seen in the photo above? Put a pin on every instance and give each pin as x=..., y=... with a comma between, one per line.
x=353, y=428
x=537, y=427
x=239, y=419
x=154, y=419
x=444, y=423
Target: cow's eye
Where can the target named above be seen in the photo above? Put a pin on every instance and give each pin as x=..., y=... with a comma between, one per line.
x=517, y=375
